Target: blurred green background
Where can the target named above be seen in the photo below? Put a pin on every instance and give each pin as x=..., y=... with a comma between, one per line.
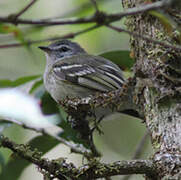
x=121, y=135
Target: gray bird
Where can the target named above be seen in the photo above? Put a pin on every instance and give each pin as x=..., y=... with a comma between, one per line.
x=71, y=71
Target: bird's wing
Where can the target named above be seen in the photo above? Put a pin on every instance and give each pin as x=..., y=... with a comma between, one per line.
x=112, y=74
x=101, y=78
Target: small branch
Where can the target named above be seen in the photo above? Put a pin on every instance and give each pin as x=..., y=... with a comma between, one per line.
x=138, y=151
x=76, y=148
x=146, y=38
x=95, y=5
x=43, y=22
x=139, y=147
x=144, y=8
x=74, y=11
x=24, y=9
x=66, y=36
x=60, y=169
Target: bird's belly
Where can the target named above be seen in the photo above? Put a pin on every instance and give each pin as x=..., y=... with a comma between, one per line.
x=60, y=90
x=72, y=91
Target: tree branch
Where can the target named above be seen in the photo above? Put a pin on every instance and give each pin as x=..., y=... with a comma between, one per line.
x=146, y=38
x=101, y=170
x=92, y=19
x=61, y=169
x=66, y=36
x=24, y=9
x=26, y=153
x=43, y=22
x=99, y=18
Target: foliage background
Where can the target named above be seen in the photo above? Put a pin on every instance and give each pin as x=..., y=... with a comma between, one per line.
x=121, y=135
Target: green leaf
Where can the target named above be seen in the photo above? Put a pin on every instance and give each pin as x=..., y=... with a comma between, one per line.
x=16, y=165
x=36, y=85
x=166, y=22
x=121, y=58
x=48, y=105
x=4, y=83
x=68, y=133
x=5, y=29
x=2, y=162
x=38, y=92
x=39, y=143
x=18, y=34
x=4, y=125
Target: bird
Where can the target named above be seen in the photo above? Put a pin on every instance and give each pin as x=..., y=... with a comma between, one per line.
x=71, y=72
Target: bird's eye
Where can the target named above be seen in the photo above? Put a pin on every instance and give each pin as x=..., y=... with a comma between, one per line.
x=64, y=49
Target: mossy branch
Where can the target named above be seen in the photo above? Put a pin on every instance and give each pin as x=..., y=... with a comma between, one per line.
x=61, y=169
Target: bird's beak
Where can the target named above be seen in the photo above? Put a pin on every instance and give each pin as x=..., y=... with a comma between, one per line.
x=45, y=48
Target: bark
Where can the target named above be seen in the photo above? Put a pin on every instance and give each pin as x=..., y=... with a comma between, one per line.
x=158, y=70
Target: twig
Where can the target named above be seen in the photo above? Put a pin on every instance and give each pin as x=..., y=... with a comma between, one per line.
x=43, y=22
x=143, y=8
x=95, y=5
x=66, y=36
x=76, y=148
x=24, y=9
x=74, y=11
x=146, y=38
x=138, y=151
x=139, y=147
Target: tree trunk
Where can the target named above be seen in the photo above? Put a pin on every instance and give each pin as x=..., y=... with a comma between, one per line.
x=159, y=71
